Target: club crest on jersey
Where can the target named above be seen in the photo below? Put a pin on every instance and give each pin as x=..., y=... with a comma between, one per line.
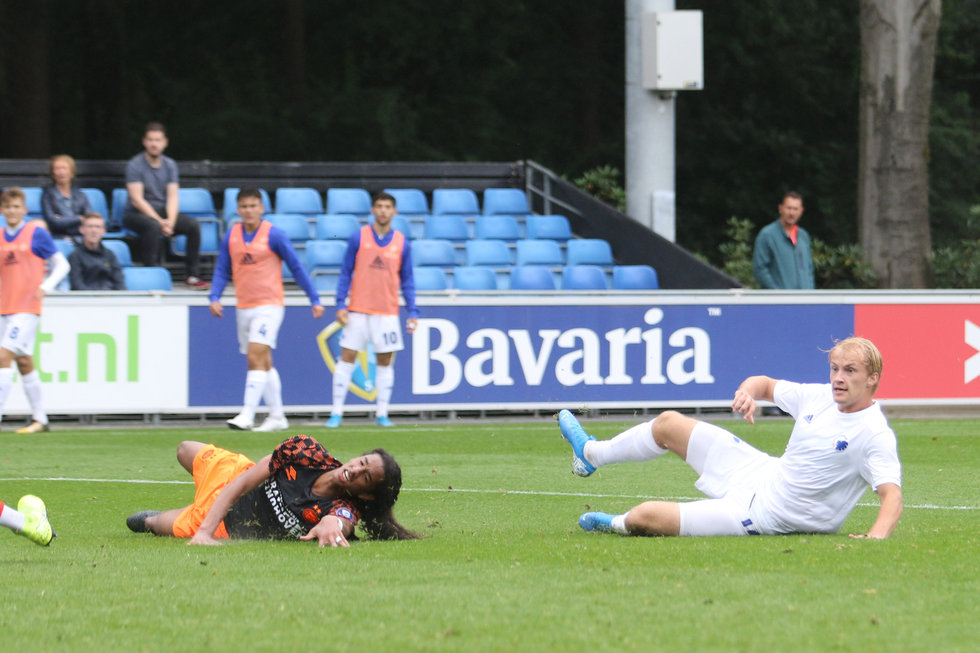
x=362, y=380
x=840, y=445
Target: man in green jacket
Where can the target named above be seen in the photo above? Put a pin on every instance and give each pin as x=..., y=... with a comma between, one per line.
x=782, y=258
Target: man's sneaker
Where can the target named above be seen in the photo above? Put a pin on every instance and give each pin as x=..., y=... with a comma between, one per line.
x=572, y=431
x=334, y=421
x=137, y=521
x=240, y=423
x=273, y=424
x=36, y=526
x=33, y=427
x=383, y=420
x=596, y=522
x=196, y=284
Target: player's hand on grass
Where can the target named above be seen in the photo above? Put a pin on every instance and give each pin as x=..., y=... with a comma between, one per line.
x=204, y=539
x=327, y=533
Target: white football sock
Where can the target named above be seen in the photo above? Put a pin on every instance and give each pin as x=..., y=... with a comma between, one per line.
x=635, y=444
x=341, y=381
x=273, y=393
x=255, y=382
x=384, y=381
x=11, y=518
x=6, y=383
x=619, y=524
x=32, y=388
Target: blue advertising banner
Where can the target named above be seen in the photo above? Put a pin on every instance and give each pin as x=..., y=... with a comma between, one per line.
x=499, y=356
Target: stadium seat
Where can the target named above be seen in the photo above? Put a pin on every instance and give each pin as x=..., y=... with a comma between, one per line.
x=497, y=227
x=355, y=201
x=229, y=207
x=121, y=250
x=296, y=227
x=97, y=202
x=550, y=227
x=429, y=278
x=583, y=277
x=302, y=201
x=539, y=252
x=410, y=202
x=147, y=278
x=589, y=251
x=32, y=200
x=635, y=277
x=438, y=253
x=336, y=226
x=114, y=223
x=66, y=247
x=531, y=277
x=198, y=203
x=506, y=201
x=324, y=259
x=474, y=278
x=488, y=253
x=458, y=201
x=400, y=223
x=448, y=227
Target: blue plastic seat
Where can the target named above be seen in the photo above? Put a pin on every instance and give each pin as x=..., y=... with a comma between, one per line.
x=296, y=227
x=583, y=277
x=301, y=201
x=355, y=201
x=198, y=203
x=147, y=278
x=229, y=207
x=323, y=261
x=121, y=250
x=497, y=227
x=459, y=201
x=409, y=201
x=467, y=277
x=550, y=227
x=336, y=226
x=449, y=227
x=490, y=253
x=589, y=251
x=32, y=201
x=120, y=197
x=635, y=277
x=506, y=201
x=429, y=278
x=66, y=247
x=97, y=202
x=539, y=252
x=531, y=277
x=438, y=253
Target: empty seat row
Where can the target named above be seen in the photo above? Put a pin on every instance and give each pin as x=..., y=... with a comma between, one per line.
x=493, y=252
x=536, y=277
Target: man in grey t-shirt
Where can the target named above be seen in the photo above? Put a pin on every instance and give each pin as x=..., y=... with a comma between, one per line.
x=153, y=185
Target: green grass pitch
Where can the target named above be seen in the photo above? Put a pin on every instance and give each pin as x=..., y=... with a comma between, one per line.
x=503, y=566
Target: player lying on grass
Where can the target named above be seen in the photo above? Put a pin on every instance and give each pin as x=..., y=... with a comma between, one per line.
x=840, y=444
x=297, y=491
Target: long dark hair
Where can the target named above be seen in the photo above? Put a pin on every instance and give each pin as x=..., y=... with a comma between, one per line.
x=377, y=518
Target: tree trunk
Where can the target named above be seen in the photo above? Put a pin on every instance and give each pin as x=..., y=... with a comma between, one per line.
x=898, y=45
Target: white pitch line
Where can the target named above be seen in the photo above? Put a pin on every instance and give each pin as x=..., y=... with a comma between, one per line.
x=588, y=495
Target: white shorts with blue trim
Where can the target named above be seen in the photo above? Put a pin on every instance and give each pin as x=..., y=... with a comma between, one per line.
x=259, y=324
x=19, y=332
x=384, y=332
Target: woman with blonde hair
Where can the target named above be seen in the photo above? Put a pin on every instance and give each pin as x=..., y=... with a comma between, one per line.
x=62, y=203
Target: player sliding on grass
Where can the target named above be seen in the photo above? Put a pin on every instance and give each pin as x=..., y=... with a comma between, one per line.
x=298, y=491
x=840, y=444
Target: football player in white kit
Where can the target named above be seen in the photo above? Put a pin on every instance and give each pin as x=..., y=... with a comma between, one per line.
x=841, y=444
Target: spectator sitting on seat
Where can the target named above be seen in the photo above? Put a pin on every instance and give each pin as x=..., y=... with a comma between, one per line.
x=93, y=265
x=62, y=203
x=153, y=185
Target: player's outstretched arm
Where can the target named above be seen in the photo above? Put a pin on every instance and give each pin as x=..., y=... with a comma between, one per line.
x=749, y=391
x=243, y=483
x=888, y=514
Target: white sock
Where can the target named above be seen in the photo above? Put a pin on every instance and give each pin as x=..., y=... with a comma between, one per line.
x=273, y=393
x=635, y=444
x=384, y=381
x=11, y=518
x=6, y=383
x=619, y=524
x=255, y=382
x=32, y=388
x=341, y=381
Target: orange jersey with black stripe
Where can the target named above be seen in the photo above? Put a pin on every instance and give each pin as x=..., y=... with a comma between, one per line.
x=21, y=273
x=255, y=268
x=376, y=279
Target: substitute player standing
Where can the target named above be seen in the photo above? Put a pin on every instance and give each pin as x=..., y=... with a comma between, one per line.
x=377, y=263
x=24, y=249
x=252, y=253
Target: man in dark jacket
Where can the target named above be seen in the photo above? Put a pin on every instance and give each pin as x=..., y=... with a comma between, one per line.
x=93, y=266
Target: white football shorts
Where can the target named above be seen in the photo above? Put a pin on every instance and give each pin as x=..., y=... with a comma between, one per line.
x=19, y=332
x=259, y=324
x=383, y=331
